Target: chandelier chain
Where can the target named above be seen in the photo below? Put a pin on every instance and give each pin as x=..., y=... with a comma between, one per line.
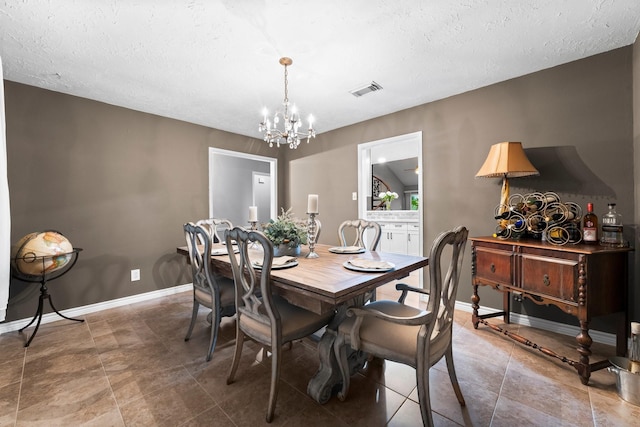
x=290, y=133
x=286, y=86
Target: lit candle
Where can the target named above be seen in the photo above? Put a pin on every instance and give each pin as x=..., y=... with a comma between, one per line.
x=312, y=204
x=253, y=213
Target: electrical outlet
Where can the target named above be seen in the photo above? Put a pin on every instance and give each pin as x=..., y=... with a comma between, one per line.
x=135, y=275
x=354, y=196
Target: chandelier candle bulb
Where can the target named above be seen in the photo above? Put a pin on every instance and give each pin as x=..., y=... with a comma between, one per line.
x=312, y=204
x=290, y=133
x=253, y=213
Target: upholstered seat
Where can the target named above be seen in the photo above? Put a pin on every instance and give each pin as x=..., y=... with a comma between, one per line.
x=419, y=338
x=262, y=315
x=402, y=341
x=209, y=290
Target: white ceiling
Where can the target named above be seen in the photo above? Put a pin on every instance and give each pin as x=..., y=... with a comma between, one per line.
x=215, y=63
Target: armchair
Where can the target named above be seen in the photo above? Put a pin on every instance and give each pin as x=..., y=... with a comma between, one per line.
x=418, y=338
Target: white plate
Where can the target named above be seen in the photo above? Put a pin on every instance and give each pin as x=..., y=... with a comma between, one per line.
x=339, y=250
x=350, y=266
x=278, y=267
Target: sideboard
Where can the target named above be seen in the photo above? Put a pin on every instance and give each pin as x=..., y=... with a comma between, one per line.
x=582, y=280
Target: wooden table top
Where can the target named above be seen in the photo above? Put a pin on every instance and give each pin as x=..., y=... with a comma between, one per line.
x=323, y=283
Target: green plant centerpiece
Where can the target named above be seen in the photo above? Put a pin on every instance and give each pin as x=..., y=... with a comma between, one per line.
x=286, y=233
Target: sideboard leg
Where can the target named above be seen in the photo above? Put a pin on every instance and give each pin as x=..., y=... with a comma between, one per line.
x=584, y=348
x=475, y=300
x=506, y=306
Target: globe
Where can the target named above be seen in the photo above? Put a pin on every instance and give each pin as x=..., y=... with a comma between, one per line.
x=41, y=253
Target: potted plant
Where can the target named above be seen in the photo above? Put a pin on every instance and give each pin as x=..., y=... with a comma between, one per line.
x=286, y=233
x=387, y=197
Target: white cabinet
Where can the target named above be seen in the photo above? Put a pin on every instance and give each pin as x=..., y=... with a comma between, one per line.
x=400, y=237
x=413, y=239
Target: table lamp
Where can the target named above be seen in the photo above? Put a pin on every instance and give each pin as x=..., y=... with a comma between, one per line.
x=506, y=160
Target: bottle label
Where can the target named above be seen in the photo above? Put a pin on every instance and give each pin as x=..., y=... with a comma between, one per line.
x=590, y=235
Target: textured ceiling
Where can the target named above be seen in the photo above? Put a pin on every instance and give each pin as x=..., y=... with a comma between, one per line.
x=215, y=63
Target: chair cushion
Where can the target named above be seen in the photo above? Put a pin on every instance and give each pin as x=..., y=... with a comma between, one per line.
x=385, y=338
x=227, y=293
x=296, y=322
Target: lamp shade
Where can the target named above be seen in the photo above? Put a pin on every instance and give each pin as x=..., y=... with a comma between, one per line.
x=507, y=159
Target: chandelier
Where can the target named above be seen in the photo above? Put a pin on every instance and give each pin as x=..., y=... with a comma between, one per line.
x=290, y=132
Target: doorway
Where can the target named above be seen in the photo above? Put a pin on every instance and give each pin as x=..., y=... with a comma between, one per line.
x=232, y=189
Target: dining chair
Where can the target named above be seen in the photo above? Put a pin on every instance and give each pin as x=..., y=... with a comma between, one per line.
x=209, y=290
x=419, y=338
x=215, y=227
x=318, y=228
x=262, y=315
x=360, y=226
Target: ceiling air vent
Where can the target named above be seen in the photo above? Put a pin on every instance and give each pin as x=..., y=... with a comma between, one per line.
x=371, y=87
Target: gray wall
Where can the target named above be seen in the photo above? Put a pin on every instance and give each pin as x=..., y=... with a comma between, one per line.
x=120, y=183
x=585, y=104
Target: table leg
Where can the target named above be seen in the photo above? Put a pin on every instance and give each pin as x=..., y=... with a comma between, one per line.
x=328, y=379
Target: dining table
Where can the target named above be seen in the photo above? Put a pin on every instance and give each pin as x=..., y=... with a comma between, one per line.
x=327, y=283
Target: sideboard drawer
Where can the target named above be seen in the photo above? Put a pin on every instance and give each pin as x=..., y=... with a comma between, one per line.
x=554, y=277
x=494, y=265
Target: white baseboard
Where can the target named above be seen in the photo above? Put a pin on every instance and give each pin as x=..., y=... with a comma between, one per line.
x=92, y=308
x=520, y=319
x=547, y=325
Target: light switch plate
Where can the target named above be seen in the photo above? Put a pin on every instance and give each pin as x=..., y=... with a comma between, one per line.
x=354, y=195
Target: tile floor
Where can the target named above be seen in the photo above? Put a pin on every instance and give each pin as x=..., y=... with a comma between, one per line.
x=130, y=366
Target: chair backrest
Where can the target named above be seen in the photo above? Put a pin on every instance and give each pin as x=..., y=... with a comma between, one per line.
x=197, y=236
x=253, y=286
x=445, y=285
x=215, y=227
x=360, y=226
x=318, y=229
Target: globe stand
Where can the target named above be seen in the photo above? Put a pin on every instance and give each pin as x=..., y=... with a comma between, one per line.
x=43, y=278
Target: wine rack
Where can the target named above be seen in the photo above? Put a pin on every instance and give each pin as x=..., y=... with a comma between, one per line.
x=540, y=216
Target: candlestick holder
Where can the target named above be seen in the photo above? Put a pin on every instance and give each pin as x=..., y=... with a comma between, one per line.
x=254, y=227
x=311, y=235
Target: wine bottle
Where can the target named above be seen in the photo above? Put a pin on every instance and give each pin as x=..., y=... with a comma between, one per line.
x=502, y=232
x=556, y=217
x=505, y=215
x=590, y=226
x=533, y=205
